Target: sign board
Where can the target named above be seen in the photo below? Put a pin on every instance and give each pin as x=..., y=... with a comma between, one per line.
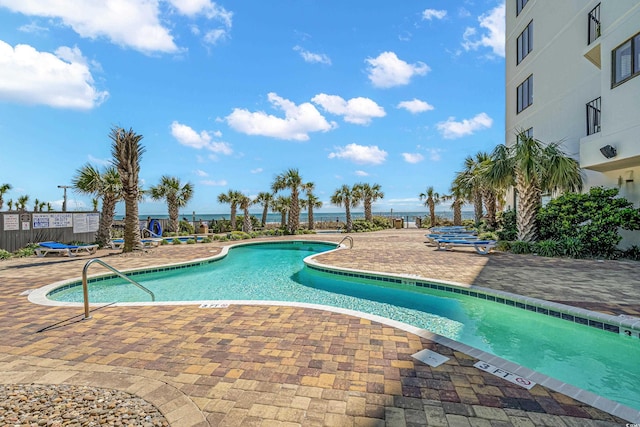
x=85, y=222
x=11, y=222
x=52, y=220
x=509, y=376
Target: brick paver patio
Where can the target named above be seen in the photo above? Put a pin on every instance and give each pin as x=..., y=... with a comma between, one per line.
x=250, y=365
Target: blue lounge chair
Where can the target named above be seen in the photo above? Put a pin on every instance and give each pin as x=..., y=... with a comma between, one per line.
x=45, y=248
x=145, y=243
x=483, y=247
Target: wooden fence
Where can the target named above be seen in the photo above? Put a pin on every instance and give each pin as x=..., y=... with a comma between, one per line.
x=18, y=229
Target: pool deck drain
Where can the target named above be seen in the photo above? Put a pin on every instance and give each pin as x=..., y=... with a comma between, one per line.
x=279, y=365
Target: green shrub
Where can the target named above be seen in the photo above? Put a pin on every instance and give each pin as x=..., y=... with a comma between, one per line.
x=382, y=222
x=521, y=247
x=488, y=235
x=186, y=227
x=503, y=245
x=164, y=242
x=176, y=241
x=206, y=239
x=26, y=251
x=632, y=252
x=191, y=241
x=507, y=228
x=592, y=218
x=238, y=235
x=5, y=254
x=572, y=247
x=549, y=248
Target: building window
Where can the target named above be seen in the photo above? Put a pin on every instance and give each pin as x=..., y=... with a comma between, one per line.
x=529, y=133
x=593, y=116
x=626, y=61
x=525, y=94
x=520, y=4
x=525, y=42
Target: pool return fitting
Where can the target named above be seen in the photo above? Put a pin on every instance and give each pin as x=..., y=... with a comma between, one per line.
x=85, y=286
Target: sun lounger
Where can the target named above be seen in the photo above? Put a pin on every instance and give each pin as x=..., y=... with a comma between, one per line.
x=45, y=248
x=146, y=243
x=483, y=247
x=432, y=237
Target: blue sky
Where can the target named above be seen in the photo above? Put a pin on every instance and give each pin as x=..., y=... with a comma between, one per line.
x=230, y=94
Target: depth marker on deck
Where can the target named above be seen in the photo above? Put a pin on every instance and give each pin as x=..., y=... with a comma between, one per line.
x=430, y=358
x=214, y=305
x=509, y=376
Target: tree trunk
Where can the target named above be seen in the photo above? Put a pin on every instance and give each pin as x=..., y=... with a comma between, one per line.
x=477, y=206
x=103, y=236
x=529, y=201
x=174, y=225
x=264, y=214
x=367, y=210
x=457, y=213
x=131, y=224
x=233, y=216
x=246, y=222
x=432, y=213
x=283, y=219
x=294, y=213
x=348, y=215
x=311, y=224
x=490, y=205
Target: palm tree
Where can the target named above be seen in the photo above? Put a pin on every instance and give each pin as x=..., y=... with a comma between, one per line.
x=470, y=182
x=244, y=202
x=107, y=186
x=177, y=196
x=10, y=204
x=310, y=203
x=231, y=197
x=282, y=205
x=431, y=199
x=264, y=199
x=4, y=188
x=346, y=197
x=36, y=203
x=127, y=151
x=533, y=167
x=291, y=180
x=369, y=194
x=458, y=198
x=22, y=203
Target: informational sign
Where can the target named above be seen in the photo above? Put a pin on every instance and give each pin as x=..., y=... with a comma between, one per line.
x=11, y=222
x=85, y=222
x=509, y=376
x=52, y=220
x=25, y=219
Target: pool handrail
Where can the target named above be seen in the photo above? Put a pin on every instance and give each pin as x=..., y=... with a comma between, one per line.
x=349, y=238
x=85, y=286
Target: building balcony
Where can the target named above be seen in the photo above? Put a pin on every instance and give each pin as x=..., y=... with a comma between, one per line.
x=592, y=52
x=605, y=153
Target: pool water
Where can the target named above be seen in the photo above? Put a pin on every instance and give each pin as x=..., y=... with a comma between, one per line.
x=595, y=360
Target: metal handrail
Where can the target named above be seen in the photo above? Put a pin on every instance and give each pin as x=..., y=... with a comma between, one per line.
x=349, y=238
x=85, y=286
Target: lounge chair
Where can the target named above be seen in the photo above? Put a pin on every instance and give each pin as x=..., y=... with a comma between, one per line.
x=433, y=237
x=146, y=243
x=45, y=248
x=483, y=247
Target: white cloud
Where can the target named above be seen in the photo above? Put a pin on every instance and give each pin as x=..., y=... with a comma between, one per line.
x=416, y=106
x=101, y=162
x=434, y=154
x=361, y=173
x=493, y=36
x=298, y=122
x=360, y=154
x=257, y=170
x=130, y=23
x=451, y=129
x=216, y=35
x=387, y=70
x=201, y=173
x=359, y=110
x=311, y=57
x=412, y=157
x=207, y=8
x=214, y=183
x=190, y=138
x=429, y=14
x=62, y=80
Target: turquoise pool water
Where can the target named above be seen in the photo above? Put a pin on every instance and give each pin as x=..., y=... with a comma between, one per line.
x=595, y=360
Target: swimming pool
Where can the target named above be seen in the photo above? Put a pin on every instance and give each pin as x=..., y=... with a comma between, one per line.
x=593, y=359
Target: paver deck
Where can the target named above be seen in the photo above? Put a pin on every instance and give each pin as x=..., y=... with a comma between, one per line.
x=273, y=365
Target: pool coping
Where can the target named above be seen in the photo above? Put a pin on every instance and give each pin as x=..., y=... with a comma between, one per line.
x=38, y=296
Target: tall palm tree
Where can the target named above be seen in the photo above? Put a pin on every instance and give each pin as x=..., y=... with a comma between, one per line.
x=127, y=152
x=368, y=194
x=291, y=179
x=282, y=205
x=36, y=203
x=177, y=196
x=10, y=204
x=264, y=199
x=470, y=182
x=310, y=203
x=4, y=188
x=108, y=187
x=533, y=167
x=346, y=197
x=22, y=203
x=431, y=199
x=231, y=197
x=457, y=198
x=244, y=202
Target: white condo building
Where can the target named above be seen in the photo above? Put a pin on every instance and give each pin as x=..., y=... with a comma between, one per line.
x=573, y=75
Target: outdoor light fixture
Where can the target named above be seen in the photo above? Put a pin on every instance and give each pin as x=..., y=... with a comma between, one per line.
x=608, y=151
